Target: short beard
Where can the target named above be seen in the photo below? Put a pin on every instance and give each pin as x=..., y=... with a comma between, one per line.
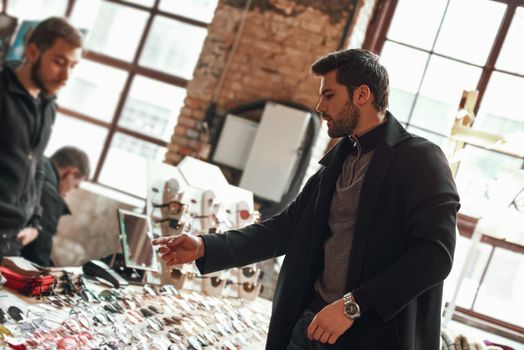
x=347, y=121
x=35, y=76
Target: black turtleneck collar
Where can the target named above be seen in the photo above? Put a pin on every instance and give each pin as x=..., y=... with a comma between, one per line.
x=369, y=140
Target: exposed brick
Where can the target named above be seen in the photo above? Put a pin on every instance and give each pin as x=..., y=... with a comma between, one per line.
x=186, y=151
x=272, y=61
x=180, y=130
x=192, y=134
x=187, y=121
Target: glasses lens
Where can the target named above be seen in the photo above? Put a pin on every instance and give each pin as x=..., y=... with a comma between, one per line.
x=15, y=313
x=176, y=274
x=215, y=281
x=248, y=271
x=248, y=287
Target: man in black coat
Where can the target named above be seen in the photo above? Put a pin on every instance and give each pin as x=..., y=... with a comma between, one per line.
x=27, y=113
x=368, y=241
x=64, y=171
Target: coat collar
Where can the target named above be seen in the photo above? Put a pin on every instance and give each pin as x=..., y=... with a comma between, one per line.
x=14, y=85
x=394, y=133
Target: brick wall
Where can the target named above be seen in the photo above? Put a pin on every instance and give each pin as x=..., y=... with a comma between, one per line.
x=279, y=41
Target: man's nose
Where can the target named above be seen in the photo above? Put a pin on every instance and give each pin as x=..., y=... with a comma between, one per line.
x=319, y=107
x=64, y=73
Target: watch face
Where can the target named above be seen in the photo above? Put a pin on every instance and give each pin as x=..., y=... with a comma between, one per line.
x=351, y=309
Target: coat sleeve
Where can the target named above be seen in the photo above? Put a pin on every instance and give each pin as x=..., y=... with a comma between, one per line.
x=256, y=242
x=431, y=206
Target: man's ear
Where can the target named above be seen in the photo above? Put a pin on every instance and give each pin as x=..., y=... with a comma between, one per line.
x=31, y=53
x=361, y=95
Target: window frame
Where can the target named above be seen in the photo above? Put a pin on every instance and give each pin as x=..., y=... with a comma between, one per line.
x=133, y=69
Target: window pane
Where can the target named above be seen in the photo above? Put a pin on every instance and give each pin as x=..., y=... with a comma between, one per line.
x=201, y=10
x=472, y=275
x=469, y=29
x=416, y=22
x=441, y=92
x=152, y=107
x=125, y=165
x=506, y=269
x=93, y=89
x=405, y=67
x=36, y=9
x=439, y=140
x=501, y=109
x=113, y=29
x=69, y=131
x=477, y=171
x=511, y=56
x=173, y=47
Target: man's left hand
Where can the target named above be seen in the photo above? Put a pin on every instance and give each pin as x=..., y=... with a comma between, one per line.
x=27, y=235
x=329, y=324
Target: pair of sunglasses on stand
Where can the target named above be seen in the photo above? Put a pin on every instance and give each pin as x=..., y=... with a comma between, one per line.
x=217, y=281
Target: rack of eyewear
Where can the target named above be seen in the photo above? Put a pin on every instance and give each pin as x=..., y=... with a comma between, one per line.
x=195, y=198
x=78, y=314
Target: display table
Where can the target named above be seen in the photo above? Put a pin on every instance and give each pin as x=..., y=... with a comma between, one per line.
x=134, y=317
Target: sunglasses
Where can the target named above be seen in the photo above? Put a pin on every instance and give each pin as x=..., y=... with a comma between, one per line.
x=175, y=207
x=169, y=289
x=248, y=287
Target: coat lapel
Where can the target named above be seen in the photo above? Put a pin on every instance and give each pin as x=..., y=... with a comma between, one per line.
x=369, y=195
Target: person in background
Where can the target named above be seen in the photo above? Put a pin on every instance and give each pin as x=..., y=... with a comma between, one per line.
x=370, y=238
x=27, y=112
x=64, y=171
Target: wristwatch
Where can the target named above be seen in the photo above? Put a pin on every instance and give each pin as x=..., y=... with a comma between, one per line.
x=351, y=308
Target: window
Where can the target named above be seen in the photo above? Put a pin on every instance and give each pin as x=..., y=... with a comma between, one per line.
x=122, y=101
x=433, y=51
x=36, y=9
x=113, y=30
x=447, y=47
x=201, y=10
x=173, y=47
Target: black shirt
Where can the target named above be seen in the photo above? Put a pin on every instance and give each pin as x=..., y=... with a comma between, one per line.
x=25, y=128
x=54, y=206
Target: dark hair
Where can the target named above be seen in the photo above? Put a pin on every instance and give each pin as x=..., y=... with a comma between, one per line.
x=52, y=28
x=357, y=67
x=74, y=157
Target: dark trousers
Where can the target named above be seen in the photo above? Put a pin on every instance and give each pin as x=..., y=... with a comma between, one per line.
x=9, y=244
x=299, y=339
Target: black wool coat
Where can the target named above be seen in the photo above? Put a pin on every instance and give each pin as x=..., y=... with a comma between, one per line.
x=402, y=247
